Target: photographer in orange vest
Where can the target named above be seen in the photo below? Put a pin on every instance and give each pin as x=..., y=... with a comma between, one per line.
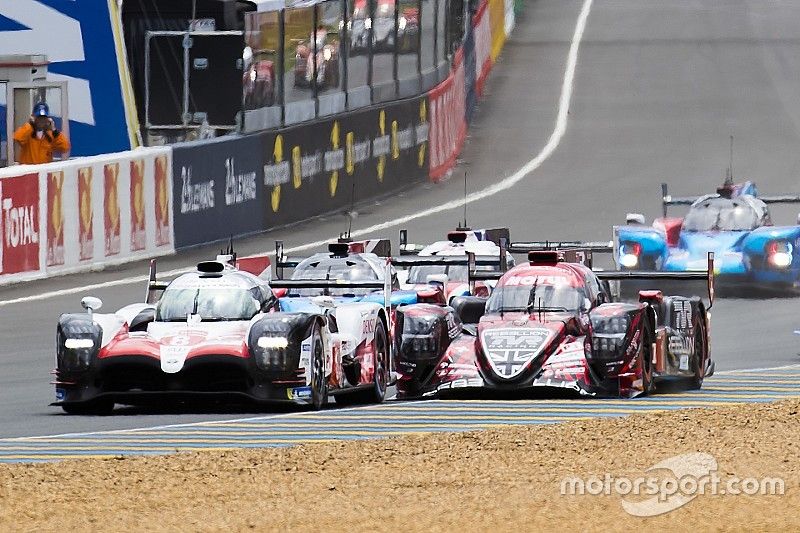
x=38, y=138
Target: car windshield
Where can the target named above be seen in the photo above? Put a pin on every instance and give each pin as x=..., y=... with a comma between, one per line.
x=212, y=304
x=344, y=270
x=720, y=215
x=419, y=274
x=562, y=297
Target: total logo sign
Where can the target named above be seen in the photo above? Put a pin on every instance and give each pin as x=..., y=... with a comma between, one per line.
x=19, y=224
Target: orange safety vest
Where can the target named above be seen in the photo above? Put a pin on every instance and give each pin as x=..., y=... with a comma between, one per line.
x=36, y=151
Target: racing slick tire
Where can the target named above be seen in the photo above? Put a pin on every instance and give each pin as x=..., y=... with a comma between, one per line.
x=646, y=359
x=376, y=392
x=700, y=354
x=96, y=408
x=319, y=381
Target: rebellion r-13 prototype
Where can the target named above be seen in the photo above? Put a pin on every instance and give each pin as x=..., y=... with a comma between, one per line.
x=444, y=263
x=734, y=223
x=553, y=324
x=217, y=334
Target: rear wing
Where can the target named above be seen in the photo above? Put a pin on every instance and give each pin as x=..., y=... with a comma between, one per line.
x=667, y=200
x=697, y=275
x=495, y=235
x=569, y=251
x=154, y=287
x=379, y=247
x=326, y=284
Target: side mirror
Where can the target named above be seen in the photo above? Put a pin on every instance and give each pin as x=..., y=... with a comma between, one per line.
x=280, y=293
x=634, y=219
x=91, y=303
x=437, y=279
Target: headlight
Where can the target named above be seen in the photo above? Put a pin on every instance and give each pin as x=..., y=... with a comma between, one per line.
x=78, y=344
x=327, y=54
x=401, y=24
x=779, y=253
x=421, y=335
x=272, y=342
x=368, y=23
x=252, y=75
x=629, y=253
x=611, y=325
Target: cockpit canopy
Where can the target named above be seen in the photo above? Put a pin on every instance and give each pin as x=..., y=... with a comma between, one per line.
x=742, y=213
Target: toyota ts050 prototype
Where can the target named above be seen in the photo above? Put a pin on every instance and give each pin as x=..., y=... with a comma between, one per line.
x=218, y=333
x=734, y=223
x=555, y=324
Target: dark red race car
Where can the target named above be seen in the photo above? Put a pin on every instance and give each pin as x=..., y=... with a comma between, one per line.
x=553, y=322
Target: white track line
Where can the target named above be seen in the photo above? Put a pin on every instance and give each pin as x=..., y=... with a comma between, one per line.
x=505, y=184
x=212, y=423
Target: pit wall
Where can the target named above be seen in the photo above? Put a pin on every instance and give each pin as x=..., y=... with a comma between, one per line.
x=88, y=213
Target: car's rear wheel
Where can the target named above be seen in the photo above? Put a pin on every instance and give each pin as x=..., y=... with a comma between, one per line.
x=376, y=392
x=646, y=359
x=96, y=408
x=700, y=354
x=319, y=381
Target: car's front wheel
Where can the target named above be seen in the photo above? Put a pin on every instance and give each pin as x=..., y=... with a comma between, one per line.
x=376, y=392
x=319, y=381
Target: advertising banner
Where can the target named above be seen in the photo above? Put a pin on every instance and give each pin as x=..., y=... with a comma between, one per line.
x=322, y=168
x=19, y=224
x=448, y=124
x=55, y=218
x=85, y=213
x=218, y=189
x=483, y=47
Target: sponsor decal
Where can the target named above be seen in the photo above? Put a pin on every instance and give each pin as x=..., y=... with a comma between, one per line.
x=162, y=203
x=683, y=314
x=334, y=159
x=299, y=393
x=421, y=131
x=239, y=188
x=138, y=225
x=85, y=214
x=276, y=174
x=19, y=218
x=195, y=196
x=510, y=350
x=380, y=146
x=55, y=218
x=111, y=210
x=514, y=281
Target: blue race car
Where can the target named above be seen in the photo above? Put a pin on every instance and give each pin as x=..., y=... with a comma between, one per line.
x=734, y=223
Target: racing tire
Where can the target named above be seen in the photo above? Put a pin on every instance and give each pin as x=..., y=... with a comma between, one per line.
x=93, y=408
x=376, y=392
x=319, y=381
x=646, y=360
x=699, y=361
